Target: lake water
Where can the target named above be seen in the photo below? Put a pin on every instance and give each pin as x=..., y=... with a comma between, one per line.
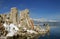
x=54, y=32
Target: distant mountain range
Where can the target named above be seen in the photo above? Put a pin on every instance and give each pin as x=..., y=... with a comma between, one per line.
x=50, y=22
x=45, y=20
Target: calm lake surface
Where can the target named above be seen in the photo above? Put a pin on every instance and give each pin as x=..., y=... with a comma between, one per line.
x=54, y=32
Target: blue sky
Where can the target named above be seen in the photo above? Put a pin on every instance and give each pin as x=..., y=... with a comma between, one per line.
x=48, y=9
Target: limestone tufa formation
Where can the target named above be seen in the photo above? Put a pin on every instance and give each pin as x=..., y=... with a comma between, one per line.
x=25, y=20
x=14, y=15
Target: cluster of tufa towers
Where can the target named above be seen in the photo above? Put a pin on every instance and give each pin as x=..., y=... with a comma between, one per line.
x=15, y=17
